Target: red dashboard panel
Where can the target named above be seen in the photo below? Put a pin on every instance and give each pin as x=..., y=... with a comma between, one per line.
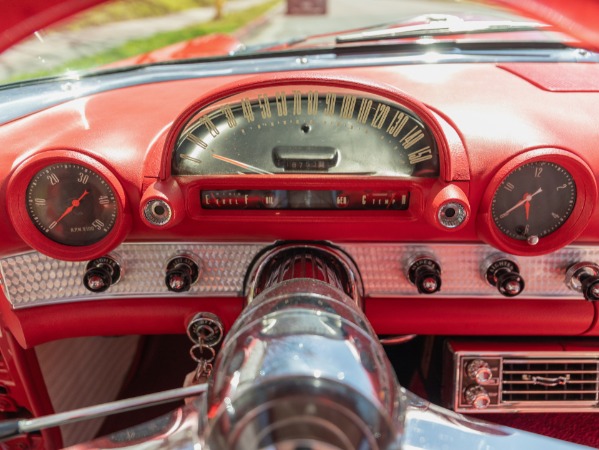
x=481, y=135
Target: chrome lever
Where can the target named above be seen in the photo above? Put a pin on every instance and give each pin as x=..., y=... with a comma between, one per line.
x=546, y=381
x=12, y=428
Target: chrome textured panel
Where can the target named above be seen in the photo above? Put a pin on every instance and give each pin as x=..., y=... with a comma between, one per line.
x=32, y=279
x=383, y=269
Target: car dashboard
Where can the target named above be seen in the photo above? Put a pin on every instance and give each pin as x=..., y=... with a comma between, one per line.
x=460, y=196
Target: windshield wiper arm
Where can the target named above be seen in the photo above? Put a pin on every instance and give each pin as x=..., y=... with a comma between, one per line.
x=442, y=28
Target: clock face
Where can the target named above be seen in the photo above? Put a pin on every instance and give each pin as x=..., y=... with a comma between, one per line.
x=535, y=199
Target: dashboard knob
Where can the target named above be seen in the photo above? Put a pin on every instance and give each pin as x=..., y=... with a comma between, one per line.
x=584, y=277
x=480, y=371
x=504, y=274
x=101, y=273
x=477, y=396
x=425, y=273
x=181, y=273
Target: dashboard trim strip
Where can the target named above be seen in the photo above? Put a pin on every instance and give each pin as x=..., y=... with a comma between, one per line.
x=33, y=279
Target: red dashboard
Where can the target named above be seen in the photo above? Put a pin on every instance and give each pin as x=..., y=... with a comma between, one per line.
x=489, y=128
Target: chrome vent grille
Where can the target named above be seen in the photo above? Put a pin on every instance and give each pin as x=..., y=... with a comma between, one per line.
x=519, y=380
x=549, y=380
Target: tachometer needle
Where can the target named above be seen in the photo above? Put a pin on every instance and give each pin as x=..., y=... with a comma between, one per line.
x=525, y=200
x=242, y=165
x=68, y=211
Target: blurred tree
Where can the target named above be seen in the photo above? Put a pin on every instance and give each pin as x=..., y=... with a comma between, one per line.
x=220, y=6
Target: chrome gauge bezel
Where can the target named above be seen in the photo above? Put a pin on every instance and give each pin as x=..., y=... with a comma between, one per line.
x=573, y=225
x=35, y=237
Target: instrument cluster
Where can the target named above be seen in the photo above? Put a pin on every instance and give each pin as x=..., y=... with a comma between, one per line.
x=304, y=149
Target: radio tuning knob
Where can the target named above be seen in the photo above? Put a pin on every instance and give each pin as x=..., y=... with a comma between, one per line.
x=504, y=274
x=425, y=273
x=477, y=396
x=584, y=277
x=181, y=273
x=101, y=273
x=479, y=371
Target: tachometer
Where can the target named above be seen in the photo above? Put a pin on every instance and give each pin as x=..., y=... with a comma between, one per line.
x=534, y=200
x=71, y=204
x=67, y=205
x=313, y=129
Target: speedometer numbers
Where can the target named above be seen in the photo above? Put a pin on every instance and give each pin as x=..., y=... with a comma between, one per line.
x=534, y=200
x=306, y=130
x=71, y=204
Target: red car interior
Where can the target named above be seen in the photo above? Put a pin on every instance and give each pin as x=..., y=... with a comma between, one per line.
x=487, y=121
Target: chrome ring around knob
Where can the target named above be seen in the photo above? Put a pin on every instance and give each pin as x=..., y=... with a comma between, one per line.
x=424, y=272
x=479, y=371
x=477, y=396
x=182, y=272
x=584, y=277
x=101, y=273
x=158, y=212
x=452, y=215
x=503, y=273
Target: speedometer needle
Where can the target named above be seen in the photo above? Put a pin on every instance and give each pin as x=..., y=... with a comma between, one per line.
x=526, y=199
x=68, y=211
x=242, y=165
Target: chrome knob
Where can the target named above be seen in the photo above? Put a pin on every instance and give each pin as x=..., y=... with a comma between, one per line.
x=181, y=273
x=584, y=277
x=479, y=371
x=425, y=273
x=504, y=274
x=101, y=273
x=478, y=397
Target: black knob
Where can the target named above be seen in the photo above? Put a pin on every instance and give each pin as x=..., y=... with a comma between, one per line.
x=181, y=273
x=590, y=287
x=425, y=274
x=504, y=274
x=584, y=277
x=101, y=273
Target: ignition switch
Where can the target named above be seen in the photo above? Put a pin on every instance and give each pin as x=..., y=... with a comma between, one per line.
x=425, y=273
x=504, y=274
x=101, y=273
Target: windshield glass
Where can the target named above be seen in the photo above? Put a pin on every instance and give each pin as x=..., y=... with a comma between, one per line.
x=131, y=32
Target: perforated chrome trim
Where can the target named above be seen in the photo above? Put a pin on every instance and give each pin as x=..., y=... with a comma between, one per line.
x=32, y=279
x=382, y=270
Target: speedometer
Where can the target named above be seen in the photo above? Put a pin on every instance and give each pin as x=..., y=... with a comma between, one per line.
x=306, y=130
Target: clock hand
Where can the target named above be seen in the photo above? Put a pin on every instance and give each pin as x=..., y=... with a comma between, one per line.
x=525, y=199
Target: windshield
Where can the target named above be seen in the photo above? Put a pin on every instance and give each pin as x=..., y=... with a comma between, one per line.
x=128, y=33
